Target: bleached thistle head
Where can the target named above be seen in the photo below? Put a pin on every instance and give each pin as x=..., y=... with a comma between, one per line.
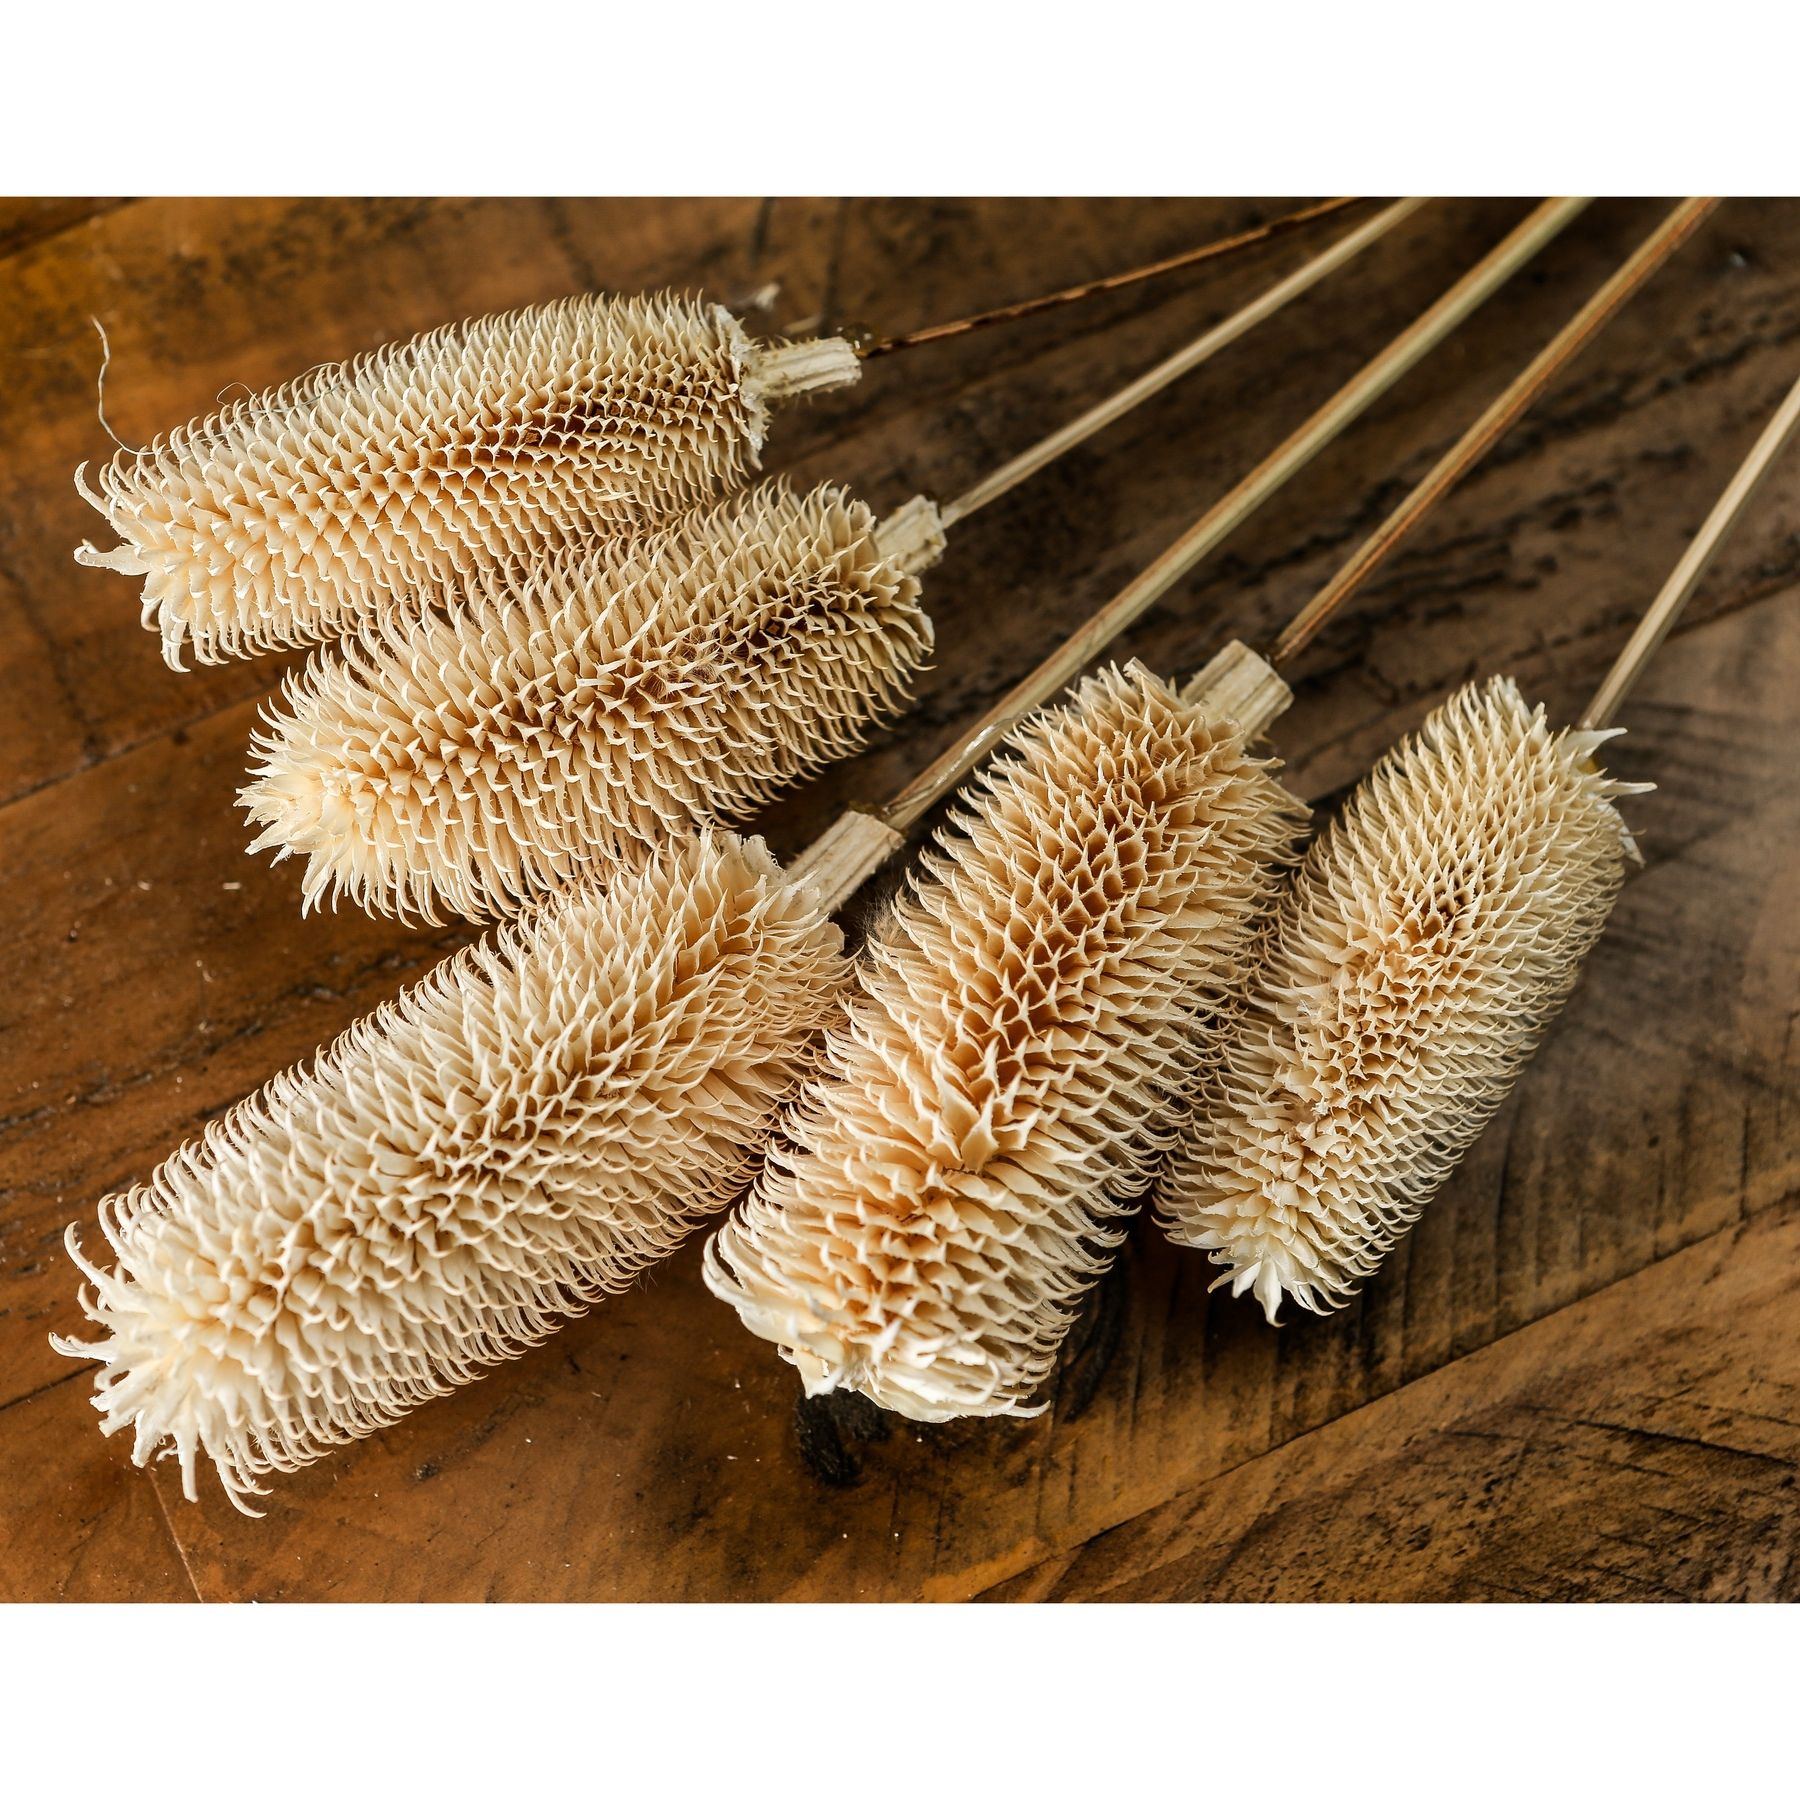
x=1431, y=934
x=518, y=1135
x=472, y=762
x=294, y=514
x=990, y=1111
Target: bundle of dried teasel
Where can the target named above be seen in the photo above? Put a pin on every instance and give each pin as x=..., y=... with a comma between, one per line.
x=148, y=1386
x=241, y=1288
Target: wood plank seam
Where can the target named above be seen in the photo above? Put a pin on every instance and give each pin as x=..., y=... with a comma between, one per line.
x=32, y=1394
x=100, y=758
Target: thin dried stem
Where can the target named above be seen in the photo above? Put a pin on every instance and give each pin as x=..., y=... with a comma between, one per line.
x=1655, y=624
x=1354, y=398
x=1188, y=259
x=1493, y=424
x=1153, y=381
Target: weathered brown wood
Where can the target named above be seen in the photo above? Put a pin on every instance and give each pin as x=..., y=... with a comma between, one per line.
x=73, y=1526
x=653, y=1449
x=153, y=975
x=1642, y=1445
x=26, y=221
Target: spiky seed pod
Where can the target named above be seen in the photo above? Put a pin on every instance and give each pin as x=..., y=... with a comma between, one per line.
x=291, y=515
x=472, y=762
x=957, y=1178
x=515, y=1137
x=1428, y=938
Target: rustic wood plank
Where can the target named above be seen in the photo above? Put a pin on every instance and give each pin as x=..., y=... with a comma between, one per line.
x=1643, y=1444
x=1663, y=1107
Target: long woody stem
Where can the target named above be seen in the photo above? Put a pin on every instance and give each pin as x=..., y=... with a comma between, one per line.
x=1493, y=424
x=1654, y=626
x=859, y=842
x=1153, y=381
x=1349, y=403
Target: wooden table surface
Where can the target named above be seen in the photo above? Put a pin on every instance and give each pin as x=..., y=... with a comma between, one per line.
x=1579, y=1377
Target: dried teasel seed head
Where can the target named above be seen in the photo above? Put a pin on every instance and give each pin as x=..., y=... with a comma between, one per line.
x=1428, y=938
x=990, y=1111
x=294, y=514
x=472, y=762
x=544, y=1115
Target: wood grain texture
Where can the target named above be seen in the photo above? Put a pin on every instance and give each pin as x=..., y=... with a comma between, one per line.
x=26, y=221
x=70, y=1527
x=154, y=974
x=1626, y=1450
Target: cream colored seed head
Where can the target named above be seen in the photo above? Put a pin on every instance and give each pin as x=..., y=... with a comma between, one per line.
x=512, y=1139
x=292, y=515
x=989, y=1116
x=472, y=763
x=1430, y=935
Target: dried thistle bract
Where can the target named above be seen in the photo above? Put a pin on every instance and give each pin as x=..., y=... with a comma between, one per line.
x=521, y=1133
x=990, y=1113
x=1429, y=936
x=357, y=490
